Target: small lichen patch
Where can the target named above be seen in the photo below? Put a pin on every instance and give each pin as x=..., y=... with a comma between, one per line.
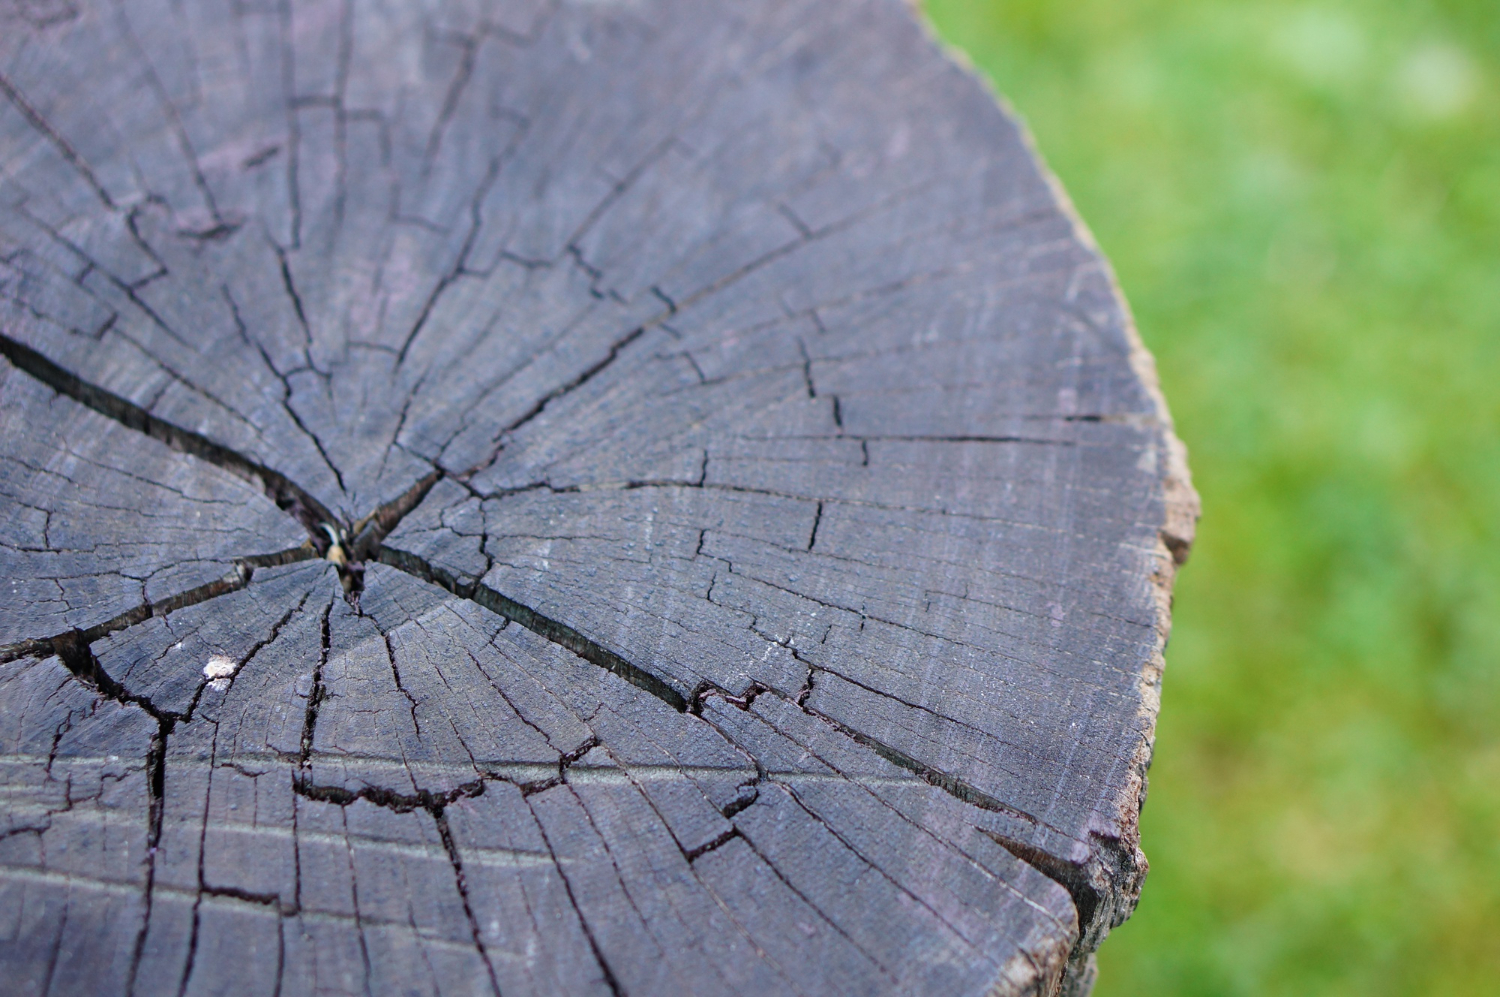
x=219, y=669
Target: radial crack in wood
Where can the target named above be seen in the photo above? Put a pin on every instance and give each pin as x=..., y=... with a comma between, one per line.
x=560, y=497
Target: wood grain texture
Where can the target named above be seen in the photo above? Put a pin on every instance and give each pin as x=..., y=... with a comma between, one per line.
x=620, y=497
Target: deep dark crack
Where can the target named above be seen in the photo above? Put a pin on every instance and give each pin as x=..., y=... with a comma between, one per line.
x=288, y=496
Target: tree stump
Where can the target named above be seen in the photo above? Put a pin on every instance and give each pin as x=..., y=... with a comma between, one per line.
x=597, y=497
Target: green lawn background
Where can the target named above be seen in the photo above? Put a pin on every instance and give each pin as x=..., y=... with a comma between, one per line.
x=1301, y=202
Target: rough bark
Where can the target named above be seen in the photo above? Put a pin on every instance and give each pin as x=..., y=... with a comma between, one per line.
x=633, y=497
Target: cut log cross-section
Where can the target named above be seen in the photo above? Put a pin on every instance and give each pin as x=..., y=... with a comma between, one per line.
x=587, y=497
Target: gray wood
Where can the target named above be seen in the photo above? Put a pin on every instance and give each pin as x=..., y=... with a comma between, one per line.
x=610, y=497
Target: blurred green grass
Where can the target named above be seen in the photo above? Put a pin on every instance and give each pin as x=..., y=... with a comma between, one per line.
x=1301, y=201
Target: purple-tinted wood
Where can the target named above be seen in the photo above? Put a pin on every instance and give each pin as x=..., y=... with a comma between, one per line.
x=599, y=496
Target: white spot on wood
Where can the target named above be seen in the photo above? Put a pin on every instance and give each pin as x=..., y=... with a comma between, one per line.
x=219, y=669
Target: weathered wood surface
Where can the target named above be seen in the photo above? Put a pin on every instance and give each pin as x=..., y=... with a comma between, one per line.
x=636, y=497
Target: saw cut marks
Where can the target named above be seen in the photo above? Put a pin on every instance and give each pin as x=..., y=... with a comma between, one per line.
x=637, y=497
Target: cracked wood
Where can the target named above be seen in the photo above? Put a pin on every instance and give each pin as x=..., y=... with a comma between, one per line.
x=559, y=497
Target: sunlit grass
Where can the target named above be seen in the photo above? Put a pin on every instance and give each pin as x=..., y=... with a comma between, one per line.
x=1303, y=205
